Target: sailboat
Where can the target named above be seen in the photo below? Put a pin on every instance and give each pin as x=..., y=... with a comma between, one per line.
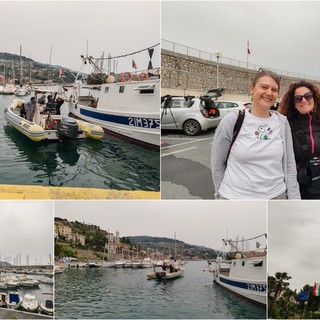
x=21, y=90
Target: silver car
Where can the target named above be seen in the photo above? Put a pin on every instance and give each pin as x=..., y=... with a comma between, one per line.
x=190, y=114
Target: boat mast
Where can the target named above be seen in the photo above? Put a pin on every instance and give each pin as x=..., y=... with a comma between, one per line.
x=20, y=65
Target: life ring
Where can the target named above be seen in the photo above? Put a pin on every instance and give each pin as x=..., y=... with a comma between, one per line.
x=143, y=75
x=126, y=77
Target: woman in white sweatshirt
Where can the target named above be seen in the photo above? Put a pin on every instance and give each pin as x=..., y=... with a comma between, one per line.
x=260, y=163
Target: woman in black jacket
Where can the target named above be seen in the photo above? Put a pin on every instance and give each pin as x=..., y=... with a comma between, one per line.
x=301, y=105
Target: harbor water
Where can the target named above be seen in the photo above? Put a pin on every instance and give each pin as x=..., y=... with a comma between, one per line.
x=108, y=164
x=125, y=293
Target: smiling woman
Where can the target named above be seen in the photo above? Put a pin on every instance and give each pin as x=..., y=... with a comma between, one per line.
x=260, y=164
x=301, y=104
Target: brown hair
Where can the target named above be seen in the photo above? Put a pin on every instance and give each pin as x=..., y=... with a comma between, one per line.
x=287, y=104
x=263, y=73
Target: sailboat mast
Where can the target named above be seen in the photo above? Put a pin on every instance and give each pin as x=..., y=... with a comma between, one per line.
x=20, y=64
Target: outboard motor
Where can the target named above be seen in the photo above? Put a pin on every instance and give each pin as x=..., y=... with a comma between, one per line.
x=67, y=130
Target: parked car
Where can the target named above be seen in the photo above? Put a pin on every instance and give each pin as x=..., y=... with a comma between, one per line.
x=190, y=114
x=227, y=106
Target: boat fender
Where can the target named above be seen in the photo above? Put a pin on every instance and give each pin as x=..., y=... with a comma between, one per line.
x=126, y=77
x=142, y=76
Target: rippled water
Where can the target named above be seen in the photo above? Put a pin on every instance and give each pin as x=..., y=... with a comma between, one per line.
x=127, y=294
x=108, y=164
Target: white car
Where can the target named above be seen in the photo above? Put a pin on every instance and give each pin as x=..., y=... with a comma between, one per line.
x=228, y=106
x=190, y=114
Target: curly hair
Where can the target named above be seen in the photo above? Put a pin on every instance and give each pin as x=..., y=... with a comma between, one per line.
x=287, y=104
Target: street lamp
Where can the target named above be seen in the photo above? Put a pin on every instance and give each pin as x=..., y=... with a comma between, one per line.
x=218, y=54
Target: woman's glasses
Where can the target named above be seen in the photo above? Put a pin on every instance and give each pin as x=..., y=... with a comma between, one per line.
x=308, y=96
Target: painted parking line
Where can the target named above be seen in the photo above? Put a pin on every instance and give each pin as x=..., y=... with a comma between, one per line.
x=187, y=142
x=174, y=152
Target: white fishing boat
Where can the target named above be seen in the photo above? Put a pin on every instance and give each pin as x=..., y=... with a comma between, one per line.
x=21, y=91
x=127, y=105
x=30, y=303
x=242, y=273
x=136, y=263
x=146, y=263
x=14, y=300
x=167, y=272
x=108, y=264
x=49, y=126
x=46, y=305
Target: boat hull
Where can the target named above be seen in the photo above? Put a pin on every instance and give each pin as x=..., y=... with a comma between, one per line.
x=254, y=291
x=124, y=110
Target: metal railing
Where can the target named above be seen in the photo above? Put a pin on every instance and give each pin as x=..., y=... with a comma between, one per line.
x=192, y=52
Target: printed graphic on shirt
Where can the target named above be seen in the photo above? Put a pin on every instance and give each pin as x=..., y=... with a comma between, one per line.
x=264, y=132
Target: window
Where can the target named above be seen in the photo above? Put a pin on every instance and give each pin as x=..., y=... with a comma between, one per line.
x=145, y=89
x=121, y=89
x=243, y=263
x=106, y=89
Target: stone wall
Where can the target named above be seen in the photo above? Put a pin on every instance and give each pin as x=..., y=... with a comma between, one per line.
x=182, y=74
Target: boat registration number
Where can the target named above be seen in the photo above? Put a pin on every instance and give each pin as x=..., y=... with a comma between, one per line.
x=144, y=122
x=256, y=287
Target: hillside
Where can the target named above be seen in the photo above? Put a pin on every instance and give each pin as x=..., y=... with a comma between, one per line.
x=32, y=71
x=96, y=237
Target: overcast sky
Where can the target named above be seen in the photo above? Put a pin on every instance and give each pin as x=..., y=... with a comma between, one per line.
x=26, y=228
x=294, y=239
x=115, y=27
x=282, y=35
x=195, y=222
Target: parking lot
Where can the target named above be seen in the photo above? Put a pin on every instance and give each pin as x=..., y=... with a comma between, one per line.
x=185, y=166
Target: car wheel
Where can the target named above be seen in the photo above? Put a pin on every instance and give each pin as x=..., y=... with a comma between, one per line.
x=191, y=127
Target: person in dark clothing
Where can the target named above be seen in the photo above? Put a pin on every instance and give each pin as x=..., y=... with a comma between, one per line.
x=301, y=105
x=59, y=102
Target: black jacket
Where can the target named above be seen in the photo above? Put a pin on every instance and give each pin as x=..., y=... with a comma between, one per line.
x=309, y=124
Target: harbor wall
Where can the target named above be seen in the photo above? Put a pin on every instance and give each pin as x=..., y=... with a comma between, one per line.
x=182, y=74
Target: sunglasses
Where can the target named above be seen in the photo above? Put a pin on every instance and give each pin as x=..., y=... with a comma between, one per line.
x=308, y=96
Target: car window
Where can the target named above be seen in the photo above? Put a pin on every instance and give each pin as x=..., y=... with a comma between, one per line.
x=176, y=103
x=226, y=105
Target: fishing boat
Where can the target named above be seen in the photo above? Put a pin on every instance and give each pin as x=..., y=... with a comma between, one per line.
x=14, y=300
x=46, y=125
x=146, y=263
x=21, y=91
x=46, y=305
x=127, y=105
x=169, y=271
x=30, y=303
x=241, y=272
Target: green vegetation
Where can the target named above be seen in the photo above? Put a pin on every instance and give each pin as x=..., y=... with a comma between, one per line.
x=32, y=71
x=96, y=238
x=283, y=302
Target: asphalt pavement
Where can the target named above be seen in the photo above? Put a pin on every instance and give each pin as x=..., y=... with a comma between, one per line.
x=185, y=166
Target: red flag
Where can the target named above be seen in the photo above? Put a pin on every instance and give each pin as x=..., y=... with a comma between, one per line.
x=134, y=66
x=248, y=49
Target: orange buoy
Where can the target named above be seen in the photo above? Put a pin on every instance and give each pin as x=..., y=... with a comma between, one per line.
x=126, y=77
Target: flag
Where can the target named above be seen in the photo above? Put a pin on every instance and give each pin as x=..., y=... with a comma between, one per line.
x=304, y=295
x=248, y=49
x=316, y=289
x=60, y=72
x=134, y=66
x=258, y=245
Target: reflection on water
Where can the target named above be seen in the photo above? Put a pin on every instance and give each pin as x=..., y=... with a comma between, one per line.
x=109, y=163
x=109, y=293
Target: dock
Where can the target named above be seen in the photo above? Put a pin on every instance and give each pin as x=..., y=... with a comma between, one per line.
x=16, y=314
x=28, y=192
